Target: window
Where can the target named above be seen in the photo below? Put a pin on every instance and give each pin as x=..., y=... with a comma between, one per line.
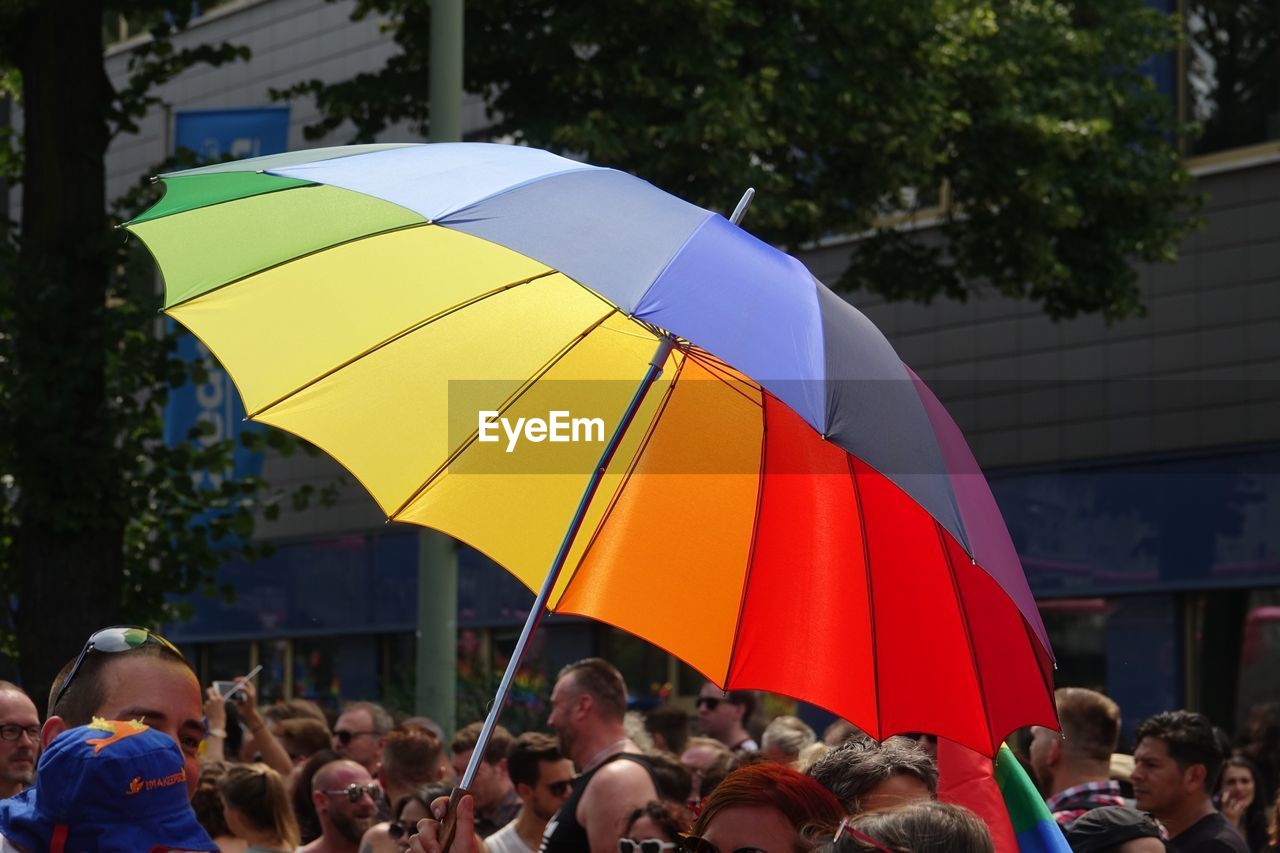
x=1232, y=73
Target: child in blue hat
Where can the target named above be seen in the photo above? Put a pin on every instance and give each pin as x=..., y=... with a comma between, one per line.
x=110, y=787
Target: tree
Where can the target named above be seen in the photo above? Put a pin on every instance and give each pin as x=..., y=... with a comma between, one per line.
x=99, y=519
x=1032, y=118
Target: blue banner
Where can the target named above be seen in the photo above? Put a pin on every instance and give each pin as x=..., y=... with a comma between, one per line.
x=215, y=135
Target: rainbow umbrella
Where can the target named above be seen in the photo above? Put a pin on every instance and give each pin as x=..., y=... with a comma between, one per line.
x=641, y=411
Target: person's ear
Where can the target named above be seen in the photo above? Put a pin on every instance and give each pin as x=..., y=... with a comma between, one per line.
x=1193, y=778
x=583, y=704
x=318, y=799
x=524, y=791
x=1055, y=752
x=52, y=727
x=501, y=767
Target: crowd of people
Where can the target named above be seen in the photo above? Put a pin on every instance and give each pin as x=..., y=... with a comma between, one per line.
x=133, y=755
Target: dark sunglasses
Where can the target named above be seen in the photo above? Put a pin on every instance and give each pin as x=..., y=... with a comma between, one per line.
x=648, y=845
x=118, y=638
x=698, y=844
x=397, y=830
x=559, y=789
x=355, y=792
x=709, y=702
x=345, y=737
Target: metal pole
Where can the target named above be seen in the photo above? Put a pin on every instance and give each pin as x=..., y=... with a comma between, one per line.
x=446, y=70
x=436, y=685
x=435, y=670
x=539, y=605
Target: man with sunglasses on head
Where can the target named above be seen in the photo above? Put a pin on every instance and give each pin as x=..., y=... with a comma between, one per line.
x=542, y=778
x=19, y=739
x=345, y=798
x=131, y=673
x=724, y=716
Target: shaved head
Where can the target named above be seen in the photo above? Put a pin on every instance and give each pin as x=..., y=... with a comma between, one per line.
x=338, y=773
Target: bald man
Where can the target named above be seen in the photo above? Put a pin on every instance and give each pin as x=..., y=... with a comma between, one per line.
x=345, y=797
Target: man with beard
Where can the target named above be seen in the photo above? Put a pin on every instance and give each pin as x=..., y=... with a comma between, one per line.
x=588, y=703
x=542, y=778
x=19, y=737
x=1073, y=769
x=346, y=806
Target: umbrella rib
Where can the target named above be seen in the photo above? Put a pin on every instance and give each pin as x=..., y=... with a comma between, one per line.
x=626, y=478
x=502, y=409
x=421, y=324
x=751, y=551
x=871, y=602
x=720, y=370
x=291, y=259
x=968, y=632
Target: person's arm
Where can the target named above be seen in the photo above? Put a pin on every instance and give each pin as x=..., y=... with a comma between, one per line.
x=272, y=752
x=616, y=790
x=215, y=715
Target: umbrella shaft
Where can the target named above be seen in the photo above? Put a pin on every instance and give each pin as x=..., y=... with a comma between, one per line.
x=540, y=603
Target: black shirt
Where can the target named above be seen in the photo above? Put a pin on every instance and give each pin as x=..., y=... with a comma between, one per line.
x=563, y=833
x=1210, y=834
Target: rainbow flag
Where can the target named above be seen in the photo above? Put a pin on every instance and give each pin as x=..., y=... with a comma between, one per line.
x=1033, y=823
x=1002, y=795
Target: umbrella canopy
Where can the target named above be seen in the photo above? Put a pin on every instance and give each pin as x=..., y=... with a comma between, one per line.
x=462, y=326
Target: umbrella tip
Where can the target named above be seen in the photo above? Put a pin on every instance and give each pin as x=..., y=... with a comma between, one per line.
x=743, y=203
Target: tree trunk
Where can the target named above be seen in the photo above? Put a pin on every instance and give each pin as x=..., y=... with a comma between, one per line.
x=70, y=531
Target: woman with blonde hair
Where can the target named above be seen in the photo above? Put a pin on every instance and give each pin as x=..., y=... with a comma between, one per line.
x=256, y=808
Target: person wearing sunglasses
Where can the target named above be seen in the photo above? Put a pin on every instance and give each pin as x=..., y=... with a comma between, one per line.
x=655, y=828
x=588, y=706
x=346, y=801
x=130, y=673
x=408, y=810
x=411, y=760
x=542, y=778
x=921, y=827
x=360, y=732
x=19, y=739
x=764, y=808
x=724, y=716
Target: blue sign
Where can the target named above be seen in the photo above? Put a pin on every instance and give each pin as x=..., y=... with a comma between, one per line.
x=215, y=135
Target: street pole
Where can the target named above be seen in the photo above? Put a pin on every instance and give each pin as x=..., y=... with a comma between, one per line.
x=435, y=693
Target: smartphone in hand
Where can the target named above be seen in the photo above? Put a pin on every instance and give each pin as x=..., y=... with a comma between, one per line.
x=230, y=691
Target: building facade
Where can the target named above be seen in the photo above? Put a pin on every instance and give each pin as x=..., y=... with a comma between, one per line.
x=1137, y=464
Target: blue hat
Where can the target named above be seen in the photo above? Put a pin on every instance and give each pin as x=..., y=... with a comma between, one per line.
x=114, y=787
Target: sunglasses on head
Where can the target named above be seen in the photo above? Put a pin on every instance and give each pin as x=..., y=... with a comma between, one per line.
x=862, y=837
x=355, y=792
x=648, y=845
x=698, y=844
x=345, y=737
x=118, y=638
x=399, y=829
